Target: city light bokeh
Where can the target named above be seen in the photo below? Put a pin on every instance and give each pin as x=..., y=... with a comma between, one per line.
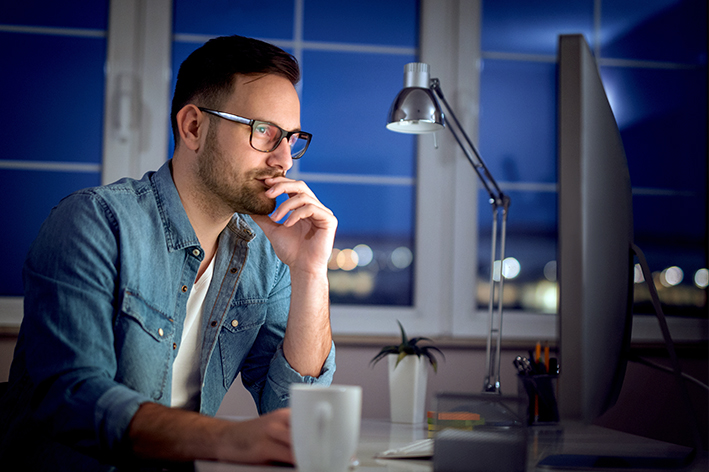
x=372, y=273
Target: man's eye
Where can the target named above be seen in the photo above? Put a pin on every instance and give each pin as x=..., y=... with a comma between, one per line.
x=263, y=130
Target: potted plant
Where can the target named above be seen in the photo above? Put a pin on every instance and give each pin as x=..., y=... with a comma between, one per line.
x=408, y=374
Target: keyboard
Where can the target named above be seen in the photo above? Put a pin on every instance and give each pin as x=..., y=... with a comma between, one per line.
x=421, y=449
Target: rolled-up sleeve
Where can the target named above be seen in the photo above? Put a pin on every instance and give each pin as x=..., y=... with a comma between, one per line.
x=265, y=372
x=113, y=413
x=281, y=375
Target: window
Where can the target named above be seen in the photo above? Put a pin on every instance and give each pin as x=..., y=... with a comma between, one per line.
x=409, y=208
x=53, y=60
x=352, y=57
x=653, y=64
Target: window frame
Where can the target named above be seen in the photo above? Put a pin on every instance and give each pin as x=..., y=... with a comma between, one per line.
x=446, y=233
x=137, y=106
x=446, y=221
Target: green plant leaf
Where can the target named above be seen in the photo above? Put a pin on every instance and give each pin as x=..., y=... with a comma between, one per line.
x=409, y=347
x=398, y=359
x=415, y=341
x=432, y=360
x=407, y=350
x=425, y=349
x=404, y=339
x=385, y=351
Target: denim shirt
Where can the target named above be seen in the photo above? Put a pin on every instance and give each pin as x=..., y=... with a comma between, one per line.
x=106, y=285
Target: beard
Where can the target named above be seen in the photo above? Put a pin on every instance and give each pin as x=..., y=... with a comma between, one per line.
x=240, y=192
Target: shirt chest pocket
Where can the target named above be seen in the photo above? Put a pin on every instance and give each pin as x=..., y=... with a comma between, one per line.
x=238, y=335
x=143, y=342
x=156, y=324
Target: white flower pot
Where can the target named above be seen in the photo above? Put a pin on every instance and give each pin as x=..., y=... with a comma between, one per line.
x=407, y=389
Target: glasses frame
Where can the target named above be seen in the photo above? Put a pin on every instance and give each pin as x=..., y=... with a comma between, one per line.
x=253, y=123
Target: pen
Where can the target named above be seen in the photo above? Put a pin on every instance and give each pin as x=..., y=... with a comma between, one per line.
x=546, y=356
x=538, y=352
x=538, y=358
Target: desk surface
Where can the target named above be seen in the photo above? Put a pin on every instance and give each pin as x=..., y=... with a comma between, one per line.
x=379, y=435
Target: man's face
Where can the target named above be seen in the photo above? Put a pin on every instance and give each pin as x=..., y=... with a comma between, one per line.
x=228, y=167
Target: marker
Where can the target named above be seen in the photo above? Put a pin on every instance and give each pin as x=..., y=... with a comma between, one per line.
x=538, y=352
x=546, y=356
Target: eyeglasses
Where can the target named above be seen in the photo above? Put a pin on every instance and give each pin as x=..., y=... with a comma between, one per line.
x=266, y=137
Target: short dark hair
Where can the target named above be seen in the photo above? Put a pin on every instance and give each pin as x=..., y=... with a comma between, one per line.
x=208, y=73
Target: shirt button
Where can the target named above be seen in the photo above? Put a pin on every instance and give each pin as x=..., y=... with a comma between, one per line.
x=174, y=346
x=161, y=332
x=213, y=323
x=184, y=288
x=196, y=252
x=235, y=323
x=233, y=270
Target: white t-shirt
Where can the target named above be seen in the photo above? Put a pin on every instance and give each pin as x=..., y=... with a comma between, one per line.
x=185, y=370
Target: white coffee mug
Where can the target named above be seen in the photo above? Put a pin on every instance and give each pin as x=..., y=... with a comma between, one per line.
x=325, y=426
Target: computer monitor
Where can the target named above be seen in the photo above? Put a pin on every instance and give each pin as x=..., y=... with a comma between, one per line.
x=595, y=260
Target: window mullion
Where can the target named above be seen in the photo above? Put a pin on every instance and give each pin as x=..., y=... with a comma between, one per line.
x=137, y=88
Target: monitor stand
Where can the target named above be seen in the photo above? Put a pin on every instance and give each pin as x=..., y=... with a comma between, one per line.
x=618, y=462
x=590, y=462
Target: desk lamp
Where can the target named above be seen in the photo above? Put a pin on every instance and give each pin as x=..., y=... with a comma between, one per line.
x=416, y=111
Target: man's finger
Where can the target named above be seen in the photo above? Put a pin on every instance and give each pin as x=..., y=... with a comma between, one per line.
x=266, y=224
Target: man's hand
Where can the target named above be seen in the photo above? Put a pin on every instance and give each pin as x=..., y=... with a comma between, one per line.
x=261, y=440
x=304, y=243
x=170, y=434
x=304, y=240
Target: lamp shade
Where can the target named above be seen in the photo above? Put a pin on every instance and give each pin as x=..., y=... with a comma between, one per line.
x=415, y=109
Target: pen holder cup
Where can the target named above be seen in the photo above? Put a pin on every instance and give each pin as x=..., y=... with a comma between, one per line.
x=540, y=391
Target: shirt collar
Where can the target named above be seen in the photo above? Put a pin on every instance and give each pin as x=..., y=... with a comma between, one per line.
x=178, y=229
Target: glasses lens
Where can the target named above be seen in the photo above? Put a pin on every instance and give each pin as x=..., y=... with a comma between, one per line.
x=265, y=136
x=298, y=145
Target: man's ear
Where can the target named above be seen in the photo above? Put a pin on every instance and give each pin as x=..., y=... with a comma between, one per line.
x=191, y=124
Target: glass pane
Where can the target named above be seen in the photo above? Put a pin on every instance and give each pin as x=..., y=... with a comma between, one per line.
x=346, y=98
x=390, y=23
x=517, y=120
x=56, y=109
x=661, y=112
x=362, y=209
x=67, y=13
x=531, y=244
x=273, y=20
x=671, y=231
x=376, y=222
x=524, y=27
x=55, y=114
x=662, y=117
x=657, y=30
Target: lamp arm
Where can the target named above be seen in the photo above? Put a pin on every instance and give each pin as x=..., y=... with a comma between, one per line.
x=500, y=204
x=497, y=195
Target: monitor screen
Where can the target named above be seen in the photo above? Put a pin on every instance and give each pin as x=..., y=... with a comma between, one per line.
x=595, y=259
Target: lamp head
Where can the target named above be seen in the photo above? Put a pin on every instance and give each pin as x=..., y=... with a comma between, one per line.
x=415, y=109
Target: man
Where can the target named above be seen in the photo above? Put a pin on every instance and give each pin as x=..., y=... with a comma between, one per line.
x=145, y=299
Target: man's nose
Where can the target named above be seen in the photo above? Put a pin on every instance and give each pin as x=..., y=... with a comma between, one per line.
x=281, y=156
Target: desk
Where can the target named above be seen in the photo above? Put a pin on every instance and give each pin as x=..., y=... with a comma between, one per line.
x=379, y=435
